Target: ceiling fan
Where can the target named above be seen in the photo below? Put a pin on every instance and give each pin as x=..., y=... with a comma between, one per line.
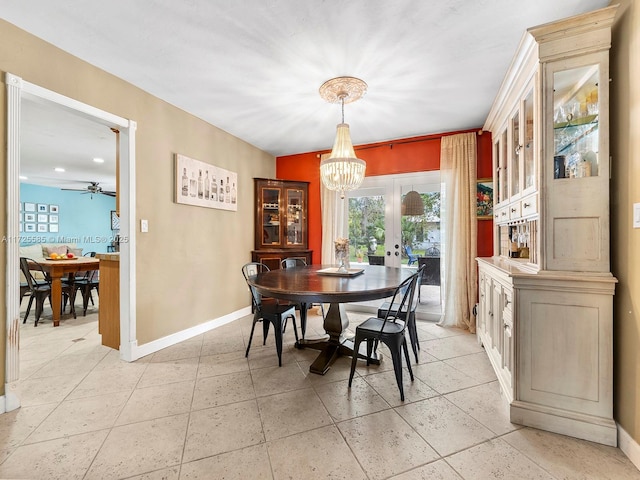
x=93, y=188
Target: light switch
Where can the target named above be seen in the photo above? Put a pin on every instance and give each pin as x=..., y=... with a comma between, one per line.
x=144, y=225
x=636, y=215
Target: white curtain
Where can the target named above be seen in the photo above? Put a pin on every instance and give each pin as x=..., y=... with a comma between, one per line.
x=334, y=220
x=458, y=170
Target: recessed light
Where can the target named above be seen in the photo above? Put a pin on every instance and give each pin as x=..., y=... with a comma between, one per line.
x=59, y=169
x=98, y=160
x=22, y=177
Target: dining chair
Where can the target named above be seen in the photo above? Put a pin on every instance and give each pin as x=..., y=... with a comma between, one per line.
x=268, y=313
x=86, y=282
x=389, y=330
x=293, y=262
x=40, y=290
x=431, y=271
x=410, y=318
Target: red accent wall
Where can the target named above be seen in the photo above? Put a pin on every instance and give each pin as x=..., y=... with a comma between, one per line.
x=407, y=155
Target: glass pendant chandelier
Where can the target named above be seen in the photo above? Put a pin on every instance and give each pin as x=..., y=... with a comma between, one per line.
x=342, y=171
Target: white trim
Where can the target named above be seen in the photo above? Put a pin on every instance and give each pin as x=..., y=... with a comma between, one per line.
x=18, y=89
x=629, y=446
x=174, y=338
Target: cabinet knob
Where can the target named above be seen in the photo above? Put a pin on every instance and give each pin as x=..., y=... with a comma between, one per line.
x=506, y=302
x=518, y=149
x=513, y=210
x=504, y=213
x=526, y=205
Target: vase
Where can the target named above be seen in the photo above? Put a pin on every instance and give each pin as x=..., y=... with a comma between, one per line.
x=341, y=259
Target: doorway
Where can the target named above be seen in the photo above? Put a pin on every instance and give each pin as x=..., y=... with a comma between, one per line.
x=18, y=91
x=379, y=233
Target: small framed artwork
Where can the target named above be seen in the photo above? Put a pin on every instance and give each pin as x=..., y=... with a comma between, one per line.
x=43, y=218
x=29, y=217
x=53, y=228
x=53, y=208
x=53, y=218
x=29, y=227
x=43, y=207
x=29, y=207
x=484, y=198
x=42, y=227
x=20, y=228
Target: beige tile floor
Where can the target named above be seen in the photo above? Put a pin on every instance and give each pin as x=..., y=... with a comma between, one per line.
x=201, y=410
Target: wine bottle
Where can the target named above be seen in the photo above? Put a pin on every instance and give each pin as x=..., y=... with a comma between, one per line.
x=185, y=183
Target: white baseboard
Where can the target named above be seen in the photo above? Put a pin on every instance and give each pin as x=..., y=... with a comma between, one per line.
x=139, y=351
x=3, y=407
x=629, y=446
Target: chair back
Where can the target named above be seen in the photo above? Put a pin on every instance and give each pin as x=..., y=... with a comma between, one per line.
x=251, y=269
x=293, y=262
x=403, y=299
x=26, y=271
x=408, y=250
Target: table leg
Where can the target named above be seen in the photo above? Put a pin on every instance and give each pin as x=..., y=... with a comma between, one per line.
x=56, y=299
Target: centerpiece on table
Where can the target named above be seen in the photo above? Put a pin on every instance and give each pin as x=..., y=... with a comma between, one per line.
x=342, y=254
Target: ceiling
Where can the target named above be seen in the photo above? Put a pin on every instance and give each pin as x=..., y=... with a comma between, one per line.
x=253, y=67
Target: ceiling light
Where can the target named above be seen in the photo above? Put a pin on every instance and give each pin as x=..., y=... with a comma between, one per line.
x=342, y=171
x=59, y=169
x=412, y=204
x=98, y=160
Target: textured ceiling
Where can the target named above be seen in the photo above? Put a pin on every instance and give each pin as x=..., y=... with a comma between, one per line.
x=253, y=67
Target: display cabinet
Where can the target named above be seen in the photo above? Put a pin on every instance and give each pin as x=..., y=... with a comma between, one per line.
x=280, y=221
x=545, y=313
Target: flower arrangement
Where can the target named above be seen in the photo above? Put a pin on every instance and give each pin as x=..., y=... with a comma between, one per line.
x=342, y=252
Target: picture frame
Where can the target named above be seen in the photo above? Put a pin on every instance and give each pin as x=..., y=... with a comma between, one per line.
x=484, y=199
x=29, y=217
x=53, y=227
x=43, y=228
x=29, y=207
x=53, y=218
x=29, y=227
x=53, y=208
x=43, y=218
x=20, y=228
x=43, y=208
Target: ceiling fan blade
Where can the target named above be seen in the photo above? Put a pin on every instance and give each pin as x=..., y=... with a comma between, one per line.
x=109, y=194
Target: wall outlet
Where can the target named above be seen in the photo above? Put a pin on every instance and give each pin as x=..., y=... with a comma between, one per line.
x=144, y=226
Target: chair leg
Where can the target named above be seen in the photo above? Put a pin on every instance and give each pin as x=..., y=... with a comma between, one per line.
x=39, y=308
x=354, y=359
x=277, y=326
x=31, y=297
x=406, y=357
x=253, y=327
x=295, y=328
x=396, y=356
x=413, y=334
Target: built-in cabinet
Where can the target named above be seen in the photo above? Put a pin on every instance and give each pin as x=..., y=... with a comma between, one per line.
x=280, y=221
x=546, y=297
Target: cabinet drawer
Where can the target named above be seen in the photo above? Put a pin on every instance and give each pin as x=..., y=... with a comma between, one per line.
x=514, y=211
x=529, y=206
x=501, y=214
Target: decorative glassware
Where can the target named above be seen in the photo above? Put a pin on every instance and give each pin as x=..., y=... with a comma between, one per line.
x=342, y=254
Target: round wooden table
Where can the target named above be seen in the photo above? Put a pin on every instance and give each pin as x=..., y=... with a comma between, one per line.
x=318, y=284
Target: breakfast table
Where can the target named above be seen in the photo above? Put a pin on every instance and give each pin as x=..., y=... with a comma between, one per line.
x=324, y=284
x=58, y=268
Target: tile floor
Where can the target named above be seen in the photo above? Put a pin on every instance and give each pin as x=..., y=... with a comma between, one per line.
x=201, y=410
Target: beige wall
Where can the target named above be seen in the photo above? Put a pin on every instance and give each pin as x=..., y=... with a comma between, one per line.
x=188, y=265
x=625, y=188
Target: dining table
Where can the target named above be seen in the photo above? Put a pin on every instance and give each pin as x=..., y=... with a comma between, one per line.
x=325, y=284
x=58, y=268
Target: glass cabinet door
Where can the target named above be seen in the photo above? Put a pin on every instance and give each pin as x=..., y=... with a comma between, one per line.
x=270, y=216
x=575, y=122
x=294, y=217
x=516, y=151
x=501, y=177
x=529, y=146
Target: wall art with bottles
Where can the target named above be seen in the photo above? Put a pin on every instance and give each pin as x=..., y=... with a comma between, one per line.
x=205, y=185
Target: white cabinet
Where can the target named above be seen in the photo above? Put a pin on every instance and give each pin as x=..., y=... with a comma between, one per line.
x=546, y=297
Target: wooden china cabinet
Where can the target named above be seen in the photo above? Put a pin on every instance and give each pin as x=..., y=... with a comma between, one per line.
x=545, y=315
x=280, y=221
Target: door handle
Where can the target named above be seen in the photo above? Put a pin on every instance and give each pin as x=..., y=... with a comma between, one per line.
x=397, y=253
x=388, y=254
x=397, y=246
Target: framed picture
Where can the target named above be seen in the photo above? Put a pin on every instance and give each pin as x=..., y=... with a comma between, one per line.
x=43, y=207
x=42, y=227
x=484, y=197
x=53, y=228
x=29, y=217
x=20, y=227
x=43, y=218
x=53, y=218
x=29, y=227
x=53, y=208
x=29, y=207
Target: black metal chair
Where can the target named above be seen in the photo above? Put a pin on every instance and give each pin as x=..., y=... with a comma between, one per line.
x=389, y=330
x=431, y=271
x=410, y=318
x=86, y=282
x=40, y=290
x=293, y=262
x=268, y=313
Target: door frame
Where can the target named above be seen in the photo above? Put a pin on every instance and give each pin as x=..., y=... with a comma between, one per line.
x=17, y=89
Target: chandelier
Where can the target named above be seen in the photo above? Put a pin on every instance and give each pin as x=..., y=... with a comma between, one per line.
x=342, y=170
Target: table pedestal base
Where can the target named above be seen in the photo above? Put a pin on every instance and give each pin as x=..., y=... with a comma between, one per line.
x=335, y=323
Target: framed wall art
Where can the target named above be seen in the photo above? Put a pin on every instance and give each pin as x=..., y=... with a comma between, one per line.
x=205, y=185
x=484, y=198
x=43, y=208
